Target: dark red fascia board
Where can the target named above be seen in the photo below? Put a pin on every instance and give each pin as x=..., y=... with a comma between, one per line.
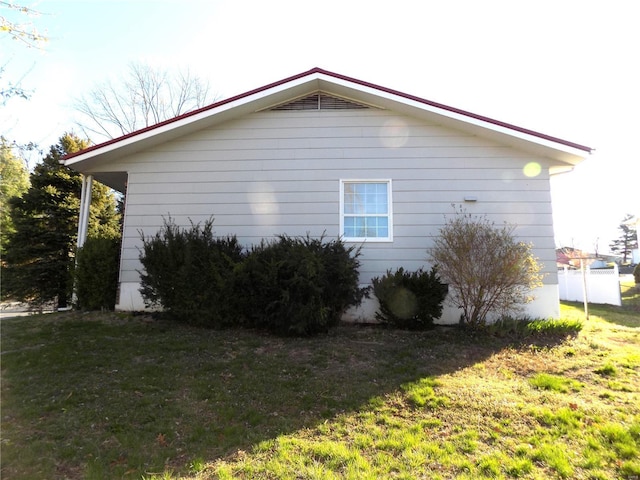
x=461, y=112
x=190, y=114
x=341, y=77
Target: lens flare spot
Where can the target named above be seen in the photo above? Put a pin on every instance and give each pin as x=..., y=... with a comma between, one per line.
x=532, y=169
x=403, y=303
x=262, y=200
x=394, y=133
x=507, y=176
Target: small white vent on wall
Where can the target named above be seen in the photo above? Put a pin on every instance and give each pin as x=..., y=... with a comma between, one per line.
x=320, y=101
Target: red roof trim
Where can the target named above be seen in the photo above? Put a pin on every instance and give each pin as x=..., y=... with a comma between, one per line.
x=340, y=77
x=460, y=112
x=190, y=114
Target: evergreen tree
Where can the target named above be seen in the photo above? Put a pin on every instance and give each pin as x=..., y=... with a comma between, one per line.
x=14, y=181
x=104, y=216
x=40, y=254
x=627, y=241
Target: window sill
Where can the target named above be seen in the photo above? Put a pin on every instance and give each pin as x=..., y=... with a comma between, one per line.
x=367, y=240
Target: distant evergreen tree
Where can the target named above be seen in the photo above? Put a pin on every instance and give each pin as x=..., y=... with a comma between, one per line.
x=104, y=216
x=627, y=241
x=40, y=253
x=14, y=181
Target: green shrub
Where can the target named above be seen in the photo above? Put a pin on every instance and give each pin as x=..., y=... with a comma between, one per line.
x=546, y=381
x=526, y=327
x=298, y=286
x=409, y=300
x=636, y=274
x=96, y=273
x=560, y=326
x=188, y=273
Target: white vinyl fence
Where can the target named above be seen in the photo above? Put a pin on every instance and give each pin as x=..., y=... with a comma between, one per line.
x=602, y=285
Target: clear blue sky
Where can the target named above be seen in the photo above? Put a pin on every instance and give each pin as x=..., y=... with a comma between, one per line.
x=564, y=68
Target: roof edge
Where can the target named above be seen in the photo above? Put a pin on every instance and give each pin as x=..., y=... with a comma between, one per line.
x=191, y=113
x=321, y=71
x=458, y=111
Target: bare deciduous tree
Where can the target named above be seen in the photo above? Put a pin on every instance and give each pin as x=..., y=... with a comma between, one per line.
x=487, y=270
x=24, y=32
x=145, y=97
x=27, y=34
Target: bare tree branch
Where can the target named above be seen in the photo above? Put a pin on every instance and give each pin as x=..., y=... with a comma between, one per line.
x=145, y=97
x=24, y=32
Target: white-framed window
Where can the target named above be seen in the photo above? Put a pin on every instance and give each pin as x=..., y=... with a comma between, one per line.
x=365, y=210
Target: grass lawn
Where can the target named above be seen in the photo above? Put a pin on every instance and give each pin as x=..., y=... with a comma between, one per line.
x=104, y=395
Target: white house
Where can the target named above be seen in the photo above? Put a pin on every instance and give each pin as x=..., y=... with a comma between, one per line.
x=320, y=152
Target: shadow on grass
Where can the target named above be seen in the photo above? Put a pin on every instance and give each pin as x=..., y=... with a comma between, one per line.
x=627, y=315
x=630, y=294
x=104, y=396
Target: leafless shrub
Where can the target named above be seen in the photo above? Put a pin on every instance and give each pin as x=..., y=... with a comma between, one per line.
x=487, y=269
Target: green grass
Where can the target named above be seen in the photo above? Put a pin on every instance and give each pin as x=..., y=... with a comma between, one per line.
x=628, y=315
x=556, y=383
x=93, y=396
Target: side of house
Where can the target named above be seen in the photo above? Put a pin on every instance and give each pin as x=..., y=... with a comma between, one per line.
x=297, y=171
x=320, y=153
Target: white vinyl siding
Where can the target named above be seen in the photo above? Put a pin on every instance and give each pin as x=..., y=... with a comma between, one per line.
x=276, y=172
x=365, y=210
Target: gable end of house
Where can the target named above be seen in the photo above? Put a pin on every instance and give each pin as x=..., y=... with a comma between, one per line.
x=320, y=101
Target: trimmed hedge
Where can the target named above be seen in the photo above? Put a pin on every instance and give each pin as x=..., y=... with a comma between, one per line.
x=288, y=286
x=298, y=286
x=409, y=300
x=96, y=273
x=188, y=273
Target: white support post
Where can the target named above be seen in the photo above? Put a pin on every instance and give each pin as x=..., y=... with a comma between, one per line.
x=585, y=289
x=85, y=203
x=565, y=282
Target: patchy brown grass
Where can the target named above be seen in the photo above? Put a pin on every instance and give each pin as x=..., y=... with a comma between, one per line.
x=115, y=396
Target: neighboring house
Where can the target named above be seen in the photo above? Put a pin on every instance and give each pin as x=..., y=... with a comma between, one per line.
x=321, y=153
x=566, y=256
x=574, y=258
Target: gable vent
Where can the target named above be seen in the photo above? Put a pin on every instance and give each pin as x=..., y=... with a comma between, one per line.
x=320, y=101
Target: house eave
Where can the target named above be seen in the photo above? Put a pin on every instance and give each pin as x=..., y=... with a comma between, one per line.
x=193, y=121
x=564, y=152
